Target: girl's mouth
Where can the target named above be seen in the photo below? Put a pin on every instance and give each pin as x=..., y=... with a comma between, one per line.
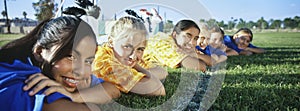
x=70, y=82
x=130, y=63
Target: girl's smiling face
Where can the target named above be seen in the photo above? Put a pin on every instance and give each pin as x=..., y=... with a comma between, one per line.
x=216, y=39
x=74, y=71
x=187, y=39
x=242, y=40
x=129, y=50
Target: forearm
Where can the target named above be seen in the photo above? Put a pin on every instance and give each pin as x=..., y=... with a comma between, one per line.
x=206, y=59
x=159, y=72
x=221, y=58
x=231, y=52
x=63, y=104
x=139, y=68
x=255, y=50
x=98, y=94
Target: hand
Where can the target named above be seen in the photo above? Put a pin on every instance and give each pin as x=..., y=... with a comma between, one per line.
x=192, y=53
x=38, y=81
x=223, y=47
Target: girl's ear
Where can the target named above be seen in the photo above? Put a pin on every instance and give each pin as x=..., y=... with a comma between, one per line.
x=37, y=53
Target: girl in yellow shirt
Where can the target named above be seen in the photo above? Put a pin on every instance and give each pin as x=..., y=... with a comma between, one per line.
x=120, y=60
x=178, y=49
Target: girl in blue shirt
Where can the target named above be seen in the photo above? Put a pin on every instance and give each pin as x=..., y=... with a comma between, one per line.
x=239, y=43
x=46, y=69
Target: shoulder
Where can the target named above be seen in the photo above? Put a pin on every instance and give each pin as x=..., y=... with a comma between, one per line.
x=227, y=38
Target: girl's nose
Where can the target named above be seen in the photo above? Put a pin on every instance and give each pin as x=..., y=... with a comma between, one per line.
x=132, y=56
x=81, y=70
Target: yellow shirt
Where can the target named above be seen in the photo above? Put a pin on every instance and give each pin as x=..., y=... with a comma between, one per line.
x=107, y=67
x=162, y=49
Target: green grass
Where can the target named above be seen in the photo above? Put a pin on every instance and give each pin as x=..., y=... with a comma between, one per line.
x=269, y=81
x=5, y=38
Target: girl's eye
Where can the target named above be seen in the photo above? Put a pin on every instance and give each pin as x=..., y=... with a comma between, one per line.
x=141, y=49
x=127, y=46
x=71, y=57
x=89, y=62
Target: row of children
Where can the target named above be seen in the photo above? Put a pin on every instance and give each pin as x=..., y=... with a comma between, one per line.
x=53, y=63
x=134, y=62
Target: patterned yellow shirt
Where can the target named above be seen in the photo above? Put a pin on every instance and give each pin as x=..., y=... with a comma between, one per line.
x=107, y=67
x=161, y=49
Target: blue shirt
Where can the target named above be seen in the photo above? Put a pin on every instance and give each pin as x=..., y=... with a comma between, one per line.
x=13, y=97
x=210, y=50
x=229, y=42
x=206, y=51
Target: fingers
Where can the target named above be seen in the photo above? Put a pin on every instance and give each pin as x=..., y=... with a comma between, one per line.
x=37, y=82
x=59, y=89
x=32, y=80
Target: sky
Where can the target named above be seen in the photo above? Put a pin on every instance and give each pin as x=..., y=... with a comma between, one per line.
x=177, y=9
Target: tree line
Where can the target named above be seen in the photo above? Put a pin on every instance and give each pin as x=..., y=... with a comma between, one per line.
x=286, y=23
x=46, y=9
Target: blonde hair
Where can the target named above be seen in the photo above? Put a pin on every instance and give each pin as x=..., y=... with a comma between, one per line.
x=204, y=30
x=127, y=26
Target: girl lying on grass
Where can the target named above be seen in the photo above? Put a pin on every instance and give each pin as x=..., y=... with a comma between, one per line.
x=178, y=49
x=120, y=60
x=211, y=43
x=240, y=43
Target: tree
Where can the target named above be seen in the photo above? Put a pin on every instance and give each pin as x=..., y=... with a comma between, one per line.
x=262, y=23
x=297, y=20
x=7, y=20
x=202, y=20
x=168, y=26
x=289, y=23
x=3, y=13
x=250, y=24
x=231, y=25
x=241, y=23
x=212, y=22
x=222, y=24
x=275, y=24
x=24, y=14
x=44, y=9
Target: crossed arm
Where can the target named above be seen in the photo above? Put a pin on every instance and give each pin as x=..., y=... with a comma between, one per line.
x=99, y=94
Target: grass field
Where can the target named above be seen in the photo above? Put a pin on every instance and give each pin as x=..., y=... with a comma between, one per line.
x=269, y=81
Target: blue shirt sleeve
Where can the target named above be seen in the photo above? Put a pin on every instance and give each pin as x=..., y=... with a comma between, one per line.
x=13, y=98
x=95, y=80
x=205, y=51
x=217, y=51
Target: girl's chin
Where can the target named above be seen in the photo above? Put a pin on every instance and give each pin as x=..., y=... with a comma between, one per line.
x=242, y=47
x=70, y=89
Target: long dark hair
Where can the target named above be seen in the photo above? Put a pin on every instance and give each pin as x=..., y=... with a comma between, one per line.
x=245, y=30
x=62, y=32
x=22, y=47
x=183, y=25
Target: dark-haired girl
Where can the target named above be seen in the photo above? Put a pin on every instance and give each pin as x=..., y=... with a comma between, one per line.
x=178, y=49
x=50, y=69
x=240, y=43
